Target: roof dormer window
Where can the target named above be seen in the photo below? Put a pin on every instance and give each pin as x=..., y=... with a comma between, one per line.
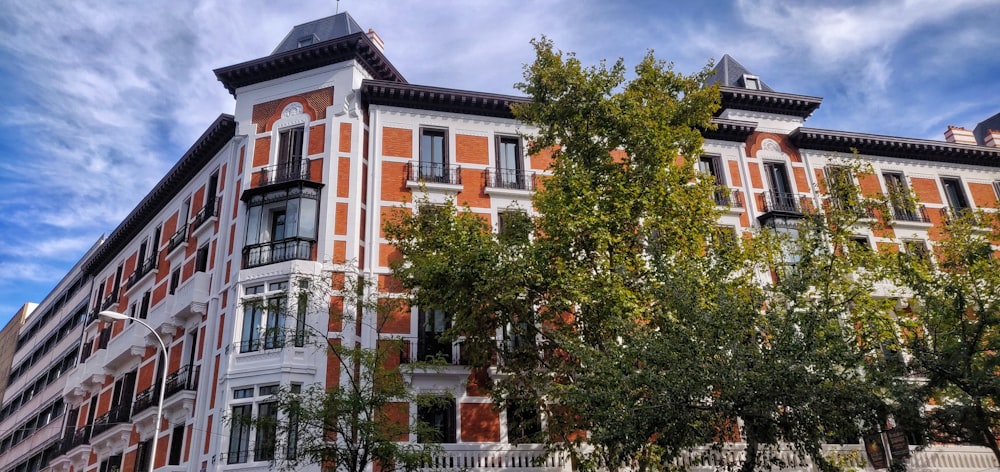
x=751, y=82
x=307, y=40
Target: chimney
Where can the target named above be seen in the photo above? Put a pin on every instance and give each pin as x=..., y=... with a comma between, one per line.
x=992, y=138
x=959, y=135
x=372, y=35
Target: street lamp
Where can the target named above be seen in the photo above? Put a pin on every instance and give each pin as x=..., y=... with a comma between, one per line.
x=115, y=316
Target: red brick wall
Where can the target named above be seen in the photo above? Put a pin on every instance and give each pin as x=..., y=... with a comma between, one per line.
x=397, y=142
x=471, y=149
x=480, y=422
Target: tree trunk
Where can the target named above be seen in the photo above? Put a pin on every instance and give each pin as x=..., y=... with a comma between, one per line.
x=750, y=463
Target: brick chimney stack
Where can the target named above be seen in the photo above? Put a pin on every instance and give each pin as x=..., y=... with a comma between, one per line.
x=959, y=135
x=372, y=35
x=992, y=138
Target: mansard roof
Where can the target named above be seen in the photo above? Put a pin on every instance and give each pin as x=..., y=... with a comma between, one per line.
x=357, y=46
x=381, y=92
x=729, y=73
x=891, y=146
x=323, y=29
x=193, y=161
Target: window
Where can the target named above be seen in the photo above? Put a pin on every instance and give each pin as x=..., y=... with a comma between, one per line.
x=307, y=41
x=781, y=196
x=524, y=423
x=430, y=345
x=144, y=305
x=954, y=193
x=201, y=259
x=243, y=393
x=175, y=280
x=267, y=427
x=176, y=445
x=289, y=154
x=292, y=444
x=903, y=208
x=509, y=163
x=239, y=435
x=711, y=165
x=916, y=247
x=513, y=226
x=861, y=243
x=281, y=225
x=439, y=420
x=751, y=82
x=263, y=318
x=434, y=156
x=142, y=456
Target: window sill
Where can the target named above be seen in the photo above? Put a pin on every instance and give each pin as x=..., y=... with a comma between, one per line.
x=435, y=186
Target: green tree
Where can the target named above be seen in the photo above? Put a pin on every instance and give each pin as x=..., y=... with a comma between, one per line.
x=627, y=313
x=952, y=331
x=360, y=416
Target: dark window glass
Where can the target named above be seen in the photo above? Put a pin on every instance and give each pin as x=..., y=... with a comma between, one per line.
x=439, y=420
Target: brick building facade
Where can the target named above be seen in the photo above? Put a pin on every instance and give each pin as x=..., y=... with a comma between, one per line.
x=327, y=141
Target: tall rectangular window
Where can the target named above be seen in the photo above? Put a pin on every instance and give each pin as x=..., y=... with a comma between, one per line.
x=439, y=419
x=263, y=320
x=433, y=155
x=289, y=154
x=955, y=194
x=176, y=445
x=781, y=196
x=239, y=435
x=509, y=162
x=267, y=427
x=712, y=165
x=430, y=344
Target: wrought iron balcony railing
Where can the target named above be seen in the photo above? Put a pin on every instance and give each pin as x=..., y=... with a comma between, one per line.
x=144, y=268
x=206, y=213
x=431, y=172
x=256, y=255
x=511, y=179
x=118, y=414
x=185, y=378
x=298, y=169
x=916, y=215
x=782, y=202
x=724, y=196
x=178, y=238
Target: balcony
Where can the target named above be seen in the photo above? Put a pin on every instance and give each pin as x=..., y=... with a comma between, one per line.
x=282, y=172
x=119, y=414
x=780, y=209
x=434, y=176
x=110, y=302
x=509, y=181
x=727, y=197
x=182, y=386
x=207, y=213
x=190, y=301
x=79, y=443
x=917, y=216
x=146, y=267
x=256, y=255
x=178, y=239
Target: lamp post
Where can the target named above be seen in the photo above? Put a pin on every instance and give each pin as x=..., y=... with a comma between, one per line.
x=115, y=316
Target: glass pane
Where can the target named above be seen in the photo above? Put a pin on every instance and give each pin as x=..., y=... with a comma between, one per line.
x=253, y=225
x=292, y=218
x=307, y=221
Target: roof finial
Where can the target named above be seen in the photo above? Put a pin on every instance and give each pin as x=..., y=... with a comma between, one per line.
x=338, y=7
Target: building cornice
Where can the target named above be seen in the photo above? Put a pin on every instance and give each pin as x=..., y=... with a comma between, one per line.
x=730, y=130
x=193, y=161
x=381, y=92
x=357, y=46
x=891, y=146
x=768, y=102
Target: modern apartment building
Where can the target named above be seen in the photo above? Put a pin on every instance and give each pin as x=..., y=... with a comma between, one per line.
x=327, y=141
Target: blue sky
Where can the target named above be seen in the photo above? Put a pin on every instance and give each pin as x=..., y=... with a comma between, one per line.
x=101, y=98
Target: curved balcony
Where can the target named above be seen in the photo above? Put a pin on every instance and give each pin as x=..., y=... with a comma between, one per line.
x=256, y=255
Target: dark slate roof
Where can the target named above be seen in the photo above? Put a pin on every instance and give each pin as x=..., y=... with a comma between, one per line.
x=769, y=102
x=891, y=146
x=323, y=29
x=357, y=46
x=729, y=73
x=730, y=130
x=194, y=160
x=381, y=92
x=979, y=132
